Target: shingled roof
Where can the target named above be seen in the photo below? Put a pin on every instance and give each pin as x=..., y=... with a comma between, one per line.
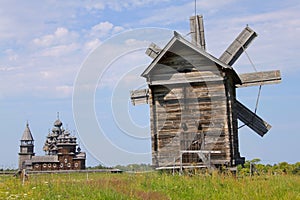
x=27, y=136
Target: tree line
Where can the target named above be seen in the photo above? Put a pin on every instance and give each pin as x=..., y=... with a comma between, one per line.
x=251, y=167
x=254, y=167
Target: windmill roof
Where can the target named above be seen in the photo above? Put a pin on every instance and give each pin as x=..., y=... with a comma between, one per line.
x=27, y=136
x=176, y=39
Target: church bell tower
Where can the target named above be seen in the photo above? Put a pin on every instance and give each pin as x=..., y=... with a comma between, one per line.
x=26, y=148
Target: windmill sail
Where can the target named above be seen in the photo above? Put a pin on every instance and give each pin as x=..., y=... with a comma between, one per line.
x=153, y=50
x=139, y=97
x=237, y=47
x=251, y=119
x=197, y=31
x=260, y=78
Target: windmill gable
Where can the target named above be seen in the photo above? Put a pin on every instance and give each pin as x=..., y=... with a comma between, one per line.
x=183, y=62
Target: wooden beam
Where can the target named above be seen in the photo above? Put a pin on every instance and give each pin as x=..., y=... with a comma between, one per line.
x=260, y=78
x=237, y=47
x=139, y=97
x=153, y=50
x=197, y=31
x=251, y=119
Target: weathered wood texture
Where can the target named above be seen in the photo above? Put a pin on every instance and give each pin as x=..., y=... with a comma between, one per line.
x=237, y=47
x=192, y=98
x=251, y=119
x=139, y=96
x=173, y=67
x=153, y=50
x=189, y=117
x=232, y=122
x=197, y=31
x=260, y=78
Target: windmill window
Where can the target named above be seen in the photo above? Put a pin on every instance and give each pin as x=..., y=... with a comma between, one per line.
x=185, y=70
x=199, y=127
x=184, y=126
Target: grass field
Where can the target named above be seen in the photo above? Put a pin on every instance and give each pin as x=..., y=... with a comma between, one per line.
x=149, y=186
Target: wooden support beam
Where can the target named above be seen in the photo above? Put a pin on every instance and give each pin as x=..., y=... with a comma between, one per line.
x=259, y=78
x=153, y=50
x=251, y=119
x=197, y=31
x=139, y=97
x=237, y=47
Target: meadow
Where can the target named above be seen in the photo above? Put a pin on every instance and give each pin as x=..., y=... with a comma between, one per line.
x=152, y=185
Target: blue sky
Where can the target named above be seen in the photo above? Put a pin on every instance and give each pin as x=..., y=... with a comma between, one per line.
x=44, y=46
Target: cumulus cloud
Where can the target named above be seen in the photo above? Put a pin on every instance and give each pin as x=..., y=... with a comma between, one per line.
x=60, y=50
x=92, y=44
x=61, y=35
x=101, y=29
x=181, y=12
x=11, y=54
x=117, y=5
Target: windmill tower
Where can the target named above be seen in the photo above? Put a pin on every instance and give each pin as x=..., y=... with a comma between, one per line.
x=194, y=112
x=26, y=148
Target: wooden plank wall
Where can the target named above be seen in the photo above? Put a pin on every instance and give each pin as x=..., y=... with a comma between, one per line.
x=189, y=117
x=232, y=121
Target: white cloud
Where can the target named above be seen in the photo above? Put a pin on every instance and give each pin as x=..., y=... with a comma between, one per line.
x=117, y=5
x=60, y=50
x=102, y=29
x=11, y=54
x=182, y=12
x=7, y=69
x=92, y=44
x=135, y=42
x=61, y=35
x=97, y=6
x=64, y=90
x=117, y=29
x=276, y=46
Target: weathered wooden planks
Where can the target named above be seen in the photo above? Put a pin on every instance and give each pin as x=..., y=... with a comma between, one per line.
x=260, y=78
x=237, y=47
x=251, y=119
x=153, y=50
x=139, y=96
x=191, y=105
x=192, y=98
x=197, y=31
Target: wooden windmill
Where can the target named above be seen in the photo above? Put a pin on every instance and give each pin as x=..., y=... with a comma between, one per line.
x=192, y=96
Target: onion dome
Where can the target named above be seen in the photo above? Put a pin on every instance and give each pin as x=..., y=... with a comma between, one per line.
x=57, y=123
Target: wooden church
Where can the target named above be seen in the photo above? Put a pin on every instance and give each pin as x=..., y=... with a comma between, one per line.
x=192, y=96
x=60, y=149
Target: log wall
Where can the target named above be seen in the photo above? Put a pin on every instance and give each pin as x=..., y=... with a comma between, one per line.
x=192, y=116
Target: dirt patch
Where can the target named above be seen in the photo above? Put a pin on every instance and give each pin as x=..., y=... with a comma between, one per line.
x=127, y=188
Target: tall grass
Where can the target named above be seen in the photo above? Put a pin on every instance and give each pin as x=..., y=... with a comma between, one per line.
x=150, y=186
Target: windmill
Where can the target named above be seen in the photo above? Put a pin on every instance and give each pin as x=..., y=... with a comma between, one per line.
x=194, y=112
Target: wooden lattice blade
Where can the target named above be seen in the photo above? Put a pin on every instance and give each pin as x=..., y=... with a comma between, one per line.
x=153, y=50
x=237, y=47
x=260, y=78
x=252, y=120
x=197, y=31
x=139, y=97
